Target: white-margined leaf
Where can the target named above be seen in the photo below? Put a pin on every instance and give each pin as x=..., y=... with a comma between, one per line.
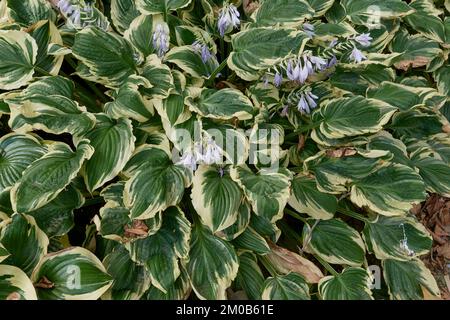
x=28, y=12
x=190, y=61
x=426, y=20
x=180, y=290
x=286, y=287
x=250, y=277
x=159, y=75
x=160, y=6
x=252, y=241
x=15, y=284
x=123, y=13
x=351, y=284
x=284, y=12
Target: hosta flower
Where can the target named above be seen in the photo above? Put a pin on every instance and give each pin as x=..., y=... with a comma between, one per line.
x=364, y=39
x=333, y=61
x=65, y=7
x=228, y=18
x=307, y=102
x=285, y=110
x=319, y=63
x=161, y=39
x=309, y=29
x=189, y=160
x=278, y=79
x=298, y=72
x=203, y=50
x=357, y=56
x=212, y=153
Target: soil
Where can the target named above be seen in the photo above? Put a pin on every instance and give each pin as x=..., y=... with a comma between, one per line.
x=434, y=214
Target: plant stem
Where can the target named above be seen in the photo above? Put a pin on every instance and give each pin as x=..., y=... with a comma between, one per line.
x=302, y=130
x=327, y=266
x=266, y=263
x=42, y=71
x=93, y=201
x=216, y=72
x=342, y=209
x=295, y=215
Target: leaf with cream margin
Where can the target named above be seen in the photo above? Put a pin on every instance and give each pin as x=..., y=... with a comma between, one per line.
x=286, y=261
x=286, y=287
x=351, y=284
x=45, y=178
x=15, y=284
x=74, y=273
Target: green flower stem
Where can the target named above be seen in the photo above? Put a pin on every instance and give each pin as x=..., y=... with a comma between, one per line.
x=42, y=71
x=302, y=130
x=269, y=267
x=295, y=215
x=213, y=76
x=342, y=209
x=326, y=265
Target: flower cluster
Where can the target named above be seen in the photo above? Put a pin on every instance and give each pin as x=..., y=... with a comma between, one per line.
x=203, y=50
x=207, y=153
x=228, y=19
x=81, y=16
x=161, y=39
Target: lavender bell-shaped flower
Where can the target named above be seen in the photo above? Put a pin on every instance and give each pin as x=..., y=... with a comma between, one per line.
x=228, y=17
x=213, y=153
x=278, y=79
x=319, y=63
x=203, y=50
x=189, y=160
x=357, y=56
x=309, y=29
x=307, y=102
x=161, y=38
x=65, y=7
x=364, y=39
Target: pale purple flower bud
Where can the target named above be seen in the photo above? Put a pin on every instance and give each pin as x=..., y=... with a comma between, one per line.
x=309, y=29
x=307, y=102
x=364, y=39
x=319, y=63
x=188, y=160
x=228, y=18
x=203, y=50
x=213, y=153
x=65, y=7
x=333, y=43
x=285, y=110
x=332, y=62
x=278, y=79
x=357, y=56
x=161, y=38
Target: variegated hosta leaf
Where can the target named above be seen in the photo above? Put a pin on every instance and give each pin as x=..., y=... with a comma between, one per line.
x=250, y=277
x=267, y=191
x=3, y=253
x=160, y=77
x=160, y=252
x=400, y=238
x=130, y=279
x=46, y=33
x=251, y=240
x=306, y=198
x=417, y=51
x=15, y=285
x=160, y=6
x=216, y=197
x=129, y=103
x=28, y=12
x=156, y=183
x=56, y=217
x=190, y=61
x=442, y=76
x=110, y=58
x=45, y=178
x=416, y=123
x=320, y=6
x=285, y=12
x=54, y=114
x=180, y=290
x=334, y=174
x=257, y=49
x=242, y=222
x=406, y=97
x=351, y=284
x=71, y=274
x=265, y=227
x=222, y=104
x=123, y=13
x=25, y=242
x=140, y=30
x=18, y=151
x=212, y=265
x=172, y=109
x=347, y=117
x=286, y=287
x=407, y=280
x=18, y=52
x=334, y=241
x=390, y=191
x=426, y=20
x=370, y=12
x=113, y=142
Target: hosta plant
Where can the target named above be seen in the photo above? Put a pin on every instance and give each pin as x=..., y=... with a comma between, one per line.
x=179, y=149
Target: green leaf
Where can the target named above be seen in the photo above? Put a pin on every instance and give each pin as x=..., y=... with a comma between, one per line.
x=389, y=191
x=18, y=151
x=160, y=6
x=267, y=191
x=212, y=265
x=25, y=242
x=306, y=198
x=284, y=12
x=3, y=253
x=286, y=287
x=250, y=277
x=56, y=217
x=335, y=242
x=18, y=52
x=251, y=240
x=416, y=123
x=123, y=13
x=180, y=290
x=351, y=284
x=442, y=77
x=320, y=6
x=369, y=12
x=15, y=285
x=242, y=222
x=163, y=181
x=190, y=61
x=215, y=197
x=113, y=142
x=129, y=285
x=45, y=178
x=347, y=117
x=426, y=20
x=28, y=12
x=160, y=77
x=406, y=280
x=384, y=237
x=108, y=57
x=71, y=274
x=256, y=49
x=139, y=31
x=160, y=252
x=222, y=104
